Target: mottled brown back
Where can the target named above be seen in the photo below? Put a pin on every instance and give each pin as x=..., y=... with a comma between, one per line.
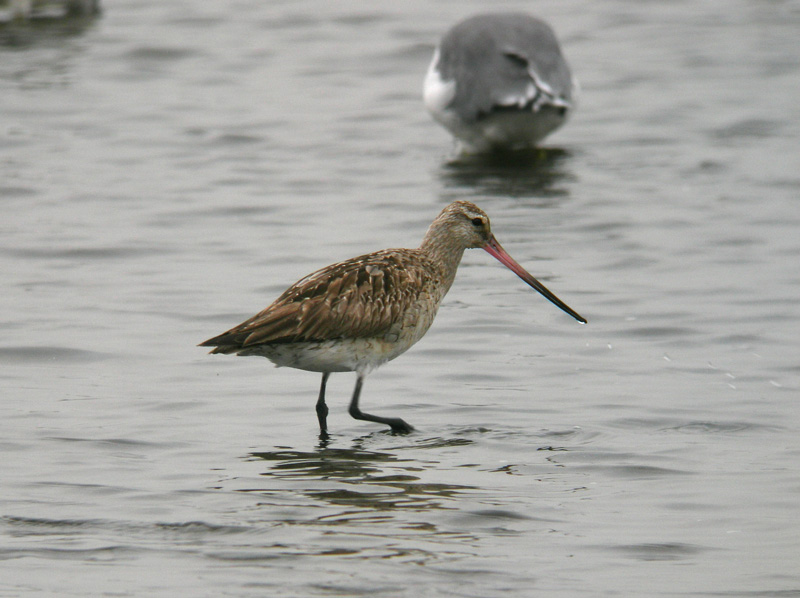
x=362, y=297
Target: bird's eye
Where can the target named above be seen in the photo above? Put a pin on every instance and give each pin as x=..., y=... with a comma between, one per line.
x=477, y=221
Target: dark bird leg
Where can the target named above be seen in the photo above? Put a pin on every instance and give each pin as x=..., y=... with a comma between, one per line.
x=397, y=424
x=322, y=408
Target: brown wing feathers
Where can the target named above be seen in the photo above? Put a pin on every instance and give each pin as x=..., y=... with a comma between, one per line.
x=361, y=297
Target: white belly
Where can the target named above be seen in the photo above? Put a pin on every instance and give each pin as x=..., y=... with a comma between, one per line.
x=349, y=355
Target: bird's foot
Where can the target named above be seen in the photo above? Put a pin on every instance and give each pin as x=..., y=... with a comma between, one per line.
x=401, y=427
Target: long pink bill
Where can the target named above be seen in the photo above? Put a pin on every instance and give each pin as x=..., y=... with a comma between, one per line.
x=496, y=250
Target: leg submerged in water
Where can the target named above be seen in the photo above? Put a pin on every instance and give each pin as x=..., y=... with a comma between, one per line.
x=322, y=408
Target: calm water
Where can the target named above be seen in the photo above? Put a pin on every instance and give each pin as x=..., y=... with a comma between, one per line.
x=167, y=169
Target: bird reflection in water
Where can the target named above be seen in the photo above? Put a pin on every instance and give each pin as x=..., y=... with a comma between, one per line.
x=359, y=478
x=540, y=173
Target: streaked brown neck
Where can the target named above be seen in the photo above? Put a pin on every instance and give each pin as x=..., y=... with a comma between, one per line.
x=443, y=249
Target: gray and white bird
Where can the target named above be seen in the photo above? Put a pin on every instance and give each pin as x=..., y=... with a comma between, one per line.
x=498, y=81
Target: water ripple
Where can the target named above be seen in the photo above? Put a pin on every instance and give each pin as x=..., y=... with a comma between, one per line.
x=33, y=354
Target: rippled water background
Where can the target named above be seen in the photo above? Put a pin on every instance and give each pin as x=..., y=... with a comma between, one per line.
x=168, y=168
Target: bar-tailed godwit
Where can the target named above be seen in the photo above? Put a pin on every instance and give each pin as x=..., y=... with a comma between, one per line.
x=498, y=81
x=355, y=315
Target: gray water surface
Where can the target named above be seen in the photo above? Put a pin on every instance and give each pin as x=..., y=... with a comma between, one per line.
x=167, y=169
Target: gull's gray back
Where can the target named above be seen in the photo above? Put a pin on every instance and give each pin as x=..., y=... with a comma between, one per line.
x=492, y=56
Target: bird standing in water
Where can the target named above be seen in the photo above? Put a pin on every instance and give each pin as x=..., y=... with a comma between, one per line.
x=498, y=81
x=356, y=315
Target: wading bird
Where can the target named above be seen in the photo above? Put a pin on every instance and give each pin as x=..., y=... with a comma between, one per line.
x=355, y=315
